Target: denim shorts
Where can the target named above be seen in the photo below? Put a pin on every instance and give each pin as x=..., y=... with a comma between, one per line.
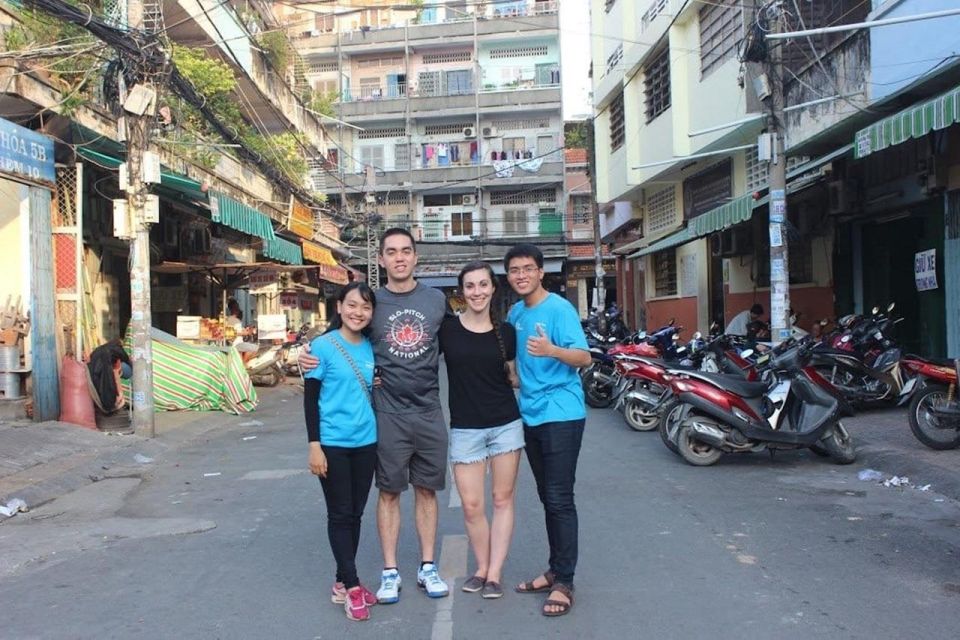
x=476, y=445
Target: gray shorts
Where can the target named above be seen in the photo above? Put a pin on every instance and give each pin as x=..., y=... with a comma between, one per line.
x=411, y=449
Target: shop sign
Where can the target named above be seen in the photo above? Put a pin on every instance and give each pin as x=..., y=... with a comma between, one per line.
x=336, y=275
x=925, y=270
x=289, y=300
x=300, y=220
x=262, y=282
x=26, y=154
x=271, y=326
x=316, y=253
x=308, y=303
x=588, y=269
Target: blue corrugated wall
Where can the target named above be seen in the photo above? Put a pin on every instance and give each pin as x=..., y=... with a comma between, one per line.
x=46, y=382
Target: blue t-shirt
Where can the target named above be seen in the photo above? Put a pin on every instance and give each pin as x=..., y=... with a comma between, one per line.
x=550, y=391
x=346, y=417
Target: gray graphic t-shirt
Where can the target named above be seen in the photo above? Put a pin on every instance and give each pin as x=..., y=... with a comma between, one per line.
x=405, y=340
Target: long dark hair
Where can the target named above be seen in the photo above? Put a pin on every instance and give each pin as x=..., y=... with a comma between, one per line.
x=365, y=292
x=477, y=265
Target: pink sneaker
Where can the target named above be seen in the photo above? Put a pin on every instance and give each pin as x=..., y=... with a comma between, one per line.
x=338, y=594
x=356, y=606
x=368, y=596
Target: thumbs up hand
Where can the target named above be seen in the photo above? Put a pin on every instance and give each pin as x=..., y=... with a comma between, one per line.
x=540, y=344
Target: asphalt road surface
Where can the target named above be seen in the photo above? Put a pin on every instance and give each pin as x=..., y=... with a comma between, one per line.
x=755, y=547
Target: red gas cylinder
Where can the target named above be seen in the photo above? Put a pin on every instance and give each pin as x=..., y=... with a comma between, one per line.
x=76, y=405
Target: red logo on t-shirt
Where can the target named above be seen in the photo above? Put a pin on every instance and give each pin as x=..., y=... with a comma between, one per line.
x=407, y=333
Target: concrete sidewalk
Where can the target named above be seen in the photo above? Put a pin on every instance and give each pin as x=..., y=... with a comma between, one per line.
x=885, y=443
x=40, y=462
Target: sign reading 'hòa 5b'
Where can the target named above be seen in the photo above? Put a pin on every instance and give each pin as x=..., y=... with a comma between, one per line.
x=26, y=154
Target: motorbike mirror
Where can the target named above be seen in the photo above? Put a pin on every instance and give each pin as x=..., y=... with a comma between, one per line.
x=891, y=306
x=746, y=353
x=876, y=310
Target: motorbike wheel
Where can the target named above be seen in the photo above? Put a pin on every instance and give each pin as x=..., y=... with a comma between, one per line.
x=819, y=450
x=275, y=378
x=597, y=395
x=839, y=445
x=669, y=423
x=695, y=452
x=639, y=417
x=926, y=426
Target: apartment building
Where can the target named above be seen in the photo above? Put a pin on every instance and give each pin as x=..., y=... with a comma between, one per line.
x=451, y=122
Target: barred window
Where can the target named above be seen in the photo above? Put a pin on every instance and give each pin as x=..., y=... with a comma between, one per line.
x=382, y=132
x=519, y=52
x=581, y=209
x=446, y=129
x=661, y=210
x=513, y=125
x=656, y=85
x=654, y=10
x=397, y=197
x=721, y=26
x=617, y=130
x=614, y=58
x=380, y=63
x=521, y=197
x=447, y=56
x=665, y=272
x=323, y=67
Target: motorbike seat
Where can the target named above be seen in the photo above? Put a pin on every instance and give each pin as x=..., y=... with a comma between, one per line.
x=734, y=383
x=830, y=351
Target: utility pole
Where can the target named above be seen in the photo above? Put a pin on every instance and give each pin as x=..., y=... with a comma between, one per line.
x=777, y=181
x=595, y=216
x=370, y=222
x=141, y=321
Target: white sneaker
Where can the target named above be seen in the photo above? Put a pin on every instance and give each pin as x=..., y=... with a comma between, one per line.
x=429, y=580
x=389, y=591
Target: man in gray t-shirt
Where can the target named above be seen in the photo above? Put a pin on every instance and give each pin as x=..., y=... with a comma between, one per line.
x=411, y=431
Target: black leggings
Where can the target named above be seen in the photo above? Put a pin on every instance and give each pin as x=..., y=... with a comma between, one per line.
x=345, y=489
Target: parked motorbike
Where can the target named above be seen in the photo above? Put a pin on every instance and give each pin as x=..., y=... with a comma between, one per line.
x=265, y=369
x=934, y=412
x=601, y=378
x=795, y=407
x=863, y=362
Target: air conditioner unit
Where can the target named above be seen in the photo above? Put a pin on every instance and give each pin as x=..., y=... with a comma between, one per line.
x=469, y=132
x=469, y=199
x=489, y=132
x=732, y=242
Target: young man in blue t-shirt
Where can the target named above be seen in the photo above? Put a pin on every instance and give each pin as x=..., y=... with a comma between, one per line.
x=550, y=347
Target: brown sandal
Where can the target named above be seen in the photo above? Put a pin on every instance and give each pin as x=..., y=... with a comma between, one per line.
x=528, y=587
x=564, y=607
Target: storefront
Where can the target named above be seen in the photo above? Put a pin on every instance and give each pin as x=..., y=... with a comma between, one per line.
x=581, y=280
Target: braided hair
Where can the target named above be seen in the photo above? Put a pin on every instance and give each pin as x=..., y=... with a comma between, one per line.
x=477, y=265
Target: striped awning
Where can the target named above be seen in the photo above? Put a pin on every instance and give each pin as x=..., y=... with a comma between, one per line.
x=680, y=237
x=726, y=215
x=317, y=254
x=236, y=215
x=283, y=251
x=915, y=122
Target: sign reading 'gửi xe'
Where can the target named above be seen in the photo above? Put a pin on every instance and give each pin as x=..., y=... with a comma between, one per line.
x=26, y=154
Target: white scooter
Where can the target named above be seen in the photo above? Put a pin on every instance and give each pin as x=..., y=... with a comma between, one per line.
x=266, y=368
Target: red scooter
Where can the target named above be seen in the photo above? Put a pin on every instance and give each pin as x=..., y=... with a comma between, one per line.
x=934, y=407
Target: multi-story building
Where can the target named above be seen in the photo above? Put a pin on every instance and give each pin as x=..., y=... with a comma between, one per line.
x=870, y=192
x=452, y=122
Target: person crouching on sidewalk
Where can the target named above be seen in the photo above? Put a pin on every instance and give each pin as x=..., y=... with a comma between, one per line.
x=342, y=432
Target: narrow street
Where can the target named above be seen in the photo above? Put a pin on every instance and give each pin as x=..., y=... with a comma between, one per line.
x=755, y=547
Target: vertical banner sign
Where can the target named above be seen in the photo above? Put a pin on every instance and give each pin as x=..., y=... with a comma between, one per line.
x=26, y=154
x=301, y=219
x=925, y=270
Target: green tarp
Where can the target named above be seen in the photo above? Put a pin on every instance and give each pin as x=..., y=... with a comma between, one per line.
x=192, y=378
x=283, y=250
x=241, y=217
x=915, y=122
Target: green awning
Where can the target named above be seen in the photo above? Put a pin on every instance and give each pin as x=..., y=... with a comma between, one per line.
x=726, y=215
x=915, y=122
x=283, y=250
x=241, y=217
x=168, y=178
x=680, y=237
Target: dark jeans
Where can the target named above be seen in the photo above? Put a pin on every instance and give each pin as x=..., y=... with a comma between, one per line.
x=552, y=450
x=345, y=489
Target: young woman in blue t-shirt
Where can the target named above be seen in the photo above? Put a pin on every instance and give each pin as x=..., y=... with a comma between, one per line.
x=342, y=432
x=485, y=422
